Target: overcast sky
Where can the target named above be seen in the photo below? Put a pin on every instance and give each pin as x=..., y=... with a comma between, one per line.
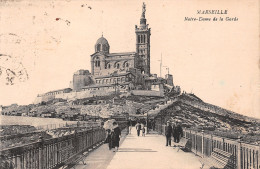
x=218, y=61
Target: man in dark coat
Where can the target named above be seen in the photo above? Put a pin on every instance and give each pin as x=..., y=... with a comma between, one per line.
x=174, y=133
x=179, y=132
x=116, y=133
x=168, y=134
x=138, y=128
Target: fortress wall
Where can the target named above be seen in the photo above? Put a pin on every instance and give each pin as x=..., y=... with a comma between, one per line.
x=146, y=93
x=80, y=81
x=75, y=95
x=158, y=88
x=48, y=98
x=78, y=95
x=40, y=99
x=102, y=92
x=66, y=96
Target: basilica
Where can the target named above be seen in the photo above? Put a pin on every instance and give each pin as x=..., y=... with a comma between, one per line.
x=116, y=72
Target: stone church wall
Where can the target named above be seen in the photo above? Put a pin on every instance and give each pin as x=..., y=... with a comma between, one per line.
x=112, y=64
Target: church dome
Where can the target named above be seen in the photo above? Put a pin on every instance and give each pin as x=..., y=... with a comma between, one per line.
x=102, y=40
x=102, y=45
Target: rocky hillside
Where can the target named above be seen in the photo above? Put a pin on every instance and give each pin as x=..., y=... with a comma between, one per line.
x=199, y=118
x=189, y=109
x=103, y=107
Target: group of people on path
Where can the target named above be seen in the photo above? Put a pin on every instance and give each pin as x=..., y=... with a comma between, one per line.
x=175, y=131
x=139, y=127
x=114, y=134
x=113, y=137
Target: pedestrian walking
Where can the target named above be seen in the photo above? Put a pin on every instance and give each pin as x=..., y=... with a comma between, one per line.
x=168, y=134
x=109, y=139
x=179, y=132
x=143, y=130
x=129, y=123
x=153, y=125
x=115, y=135
x=138, y=128
x=174, y=133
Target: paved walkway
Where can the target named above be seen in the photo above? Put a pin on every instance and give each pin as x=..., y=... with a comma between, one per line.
x=101, y=157
x=147, y=152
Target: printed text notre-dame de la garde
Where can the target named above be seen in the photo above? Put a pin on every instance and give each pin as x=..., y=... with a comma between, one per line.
x=211, y=15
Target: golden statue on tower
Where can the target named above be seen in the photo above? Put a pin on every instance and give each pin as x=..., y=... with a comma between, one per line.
x=143, y=11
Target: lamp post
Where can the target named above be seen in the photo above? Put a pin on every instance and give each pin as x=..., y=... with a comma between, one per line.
x=147, y=122
x=160, y=66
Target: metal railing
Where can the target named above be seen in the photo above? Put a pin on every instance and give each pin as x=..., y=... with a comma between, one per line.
x=52, y=153
x=43, y=128
x=246, y=156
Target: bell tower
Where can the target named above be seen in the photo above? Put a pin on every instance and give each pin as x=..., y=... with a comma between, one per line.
x=143, y=33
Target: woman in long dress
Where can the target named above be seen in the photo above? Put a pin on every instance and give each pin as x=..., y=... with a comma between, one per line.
x=115, y=135
x=108, y=139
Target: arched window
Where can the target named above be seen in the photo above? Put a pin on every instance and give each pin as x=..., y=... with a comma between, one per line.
x=144, y=38
x=97, y=62
x=126, y=64
x=139, y=39
x=117, y=65
x=108, y=66
x=98, y=48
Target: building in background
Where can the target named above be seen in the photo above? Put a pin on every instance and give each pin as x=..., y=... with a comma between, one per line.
x=115, y=72
x=169, y=79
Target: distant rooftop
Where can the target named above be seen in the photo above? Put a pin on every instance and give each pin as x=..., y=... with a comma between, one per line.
x=121, y=54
